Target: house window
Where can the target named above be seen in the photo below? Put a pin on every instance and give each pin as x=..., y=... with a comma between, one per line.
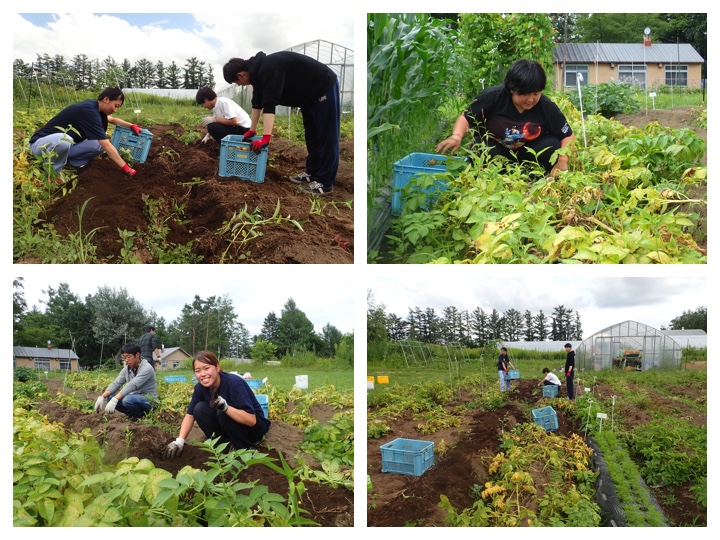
x=66, y=365
x=676, y=75
x=571, y=71
x=43, y=365
x=632, y=74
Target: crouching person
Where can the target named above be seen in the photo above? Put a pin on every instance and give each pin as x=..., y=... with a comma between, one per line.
x=223, y=405
x=134, y=392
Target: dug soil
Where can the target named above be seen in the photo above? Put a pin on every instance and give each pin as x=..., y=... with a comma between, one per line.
x=196, y=205
x=398, y=500
x=121, y=438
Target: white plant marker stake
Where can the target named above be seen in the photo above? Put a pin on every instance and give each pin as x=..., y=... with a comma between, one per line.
x=137, y=112
x=612, y=417
x=579, y=79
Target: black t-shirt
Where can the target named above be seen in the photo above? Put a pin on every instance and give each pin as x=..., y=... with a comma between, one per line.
x=493, y=113
x=502, y=359
x=287, y=78
x=85, y=117
x=570, y=362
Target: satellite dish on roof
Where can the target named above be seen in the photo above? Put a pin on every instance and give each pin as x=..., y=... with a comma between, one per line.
x=647, y=30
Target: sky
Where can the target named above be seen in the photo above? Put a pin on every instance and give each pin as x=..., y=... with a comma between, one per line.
x=211, y=37
x=254, y=290
x=600, y=301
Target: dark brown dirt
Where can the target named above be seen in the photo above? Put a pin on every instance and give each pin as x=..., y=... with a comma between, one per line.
x=187, y=177
x=399, y=500
x=122, y=438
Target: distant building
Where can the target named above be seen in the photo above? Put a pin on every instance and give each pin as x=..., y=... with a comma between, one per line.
x=644, y=64
x=171, y=358
x=45, y=358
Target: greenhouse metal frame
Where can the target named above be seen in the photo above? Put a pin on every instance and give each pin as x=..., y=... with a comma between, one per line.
x=647, y=347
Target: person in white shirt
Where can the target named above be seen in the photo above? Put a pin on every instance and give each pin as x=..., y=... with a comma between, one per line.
x=228, y=117
x=551, y=378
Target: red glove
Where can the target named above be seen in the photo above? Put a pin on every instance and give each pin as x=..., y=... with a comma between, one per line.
x=262, y=143
x=127, y=170
x=136, y=129
x=248, y=135
x=506, y=371
x=568, y=374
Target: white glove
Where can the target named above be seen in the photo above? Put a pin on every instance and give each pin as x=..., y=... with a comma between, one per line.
x=99, y=404
x=174, y=449
x=110, y=407
x=207, y=120
x=219, y=403
x=206, y=138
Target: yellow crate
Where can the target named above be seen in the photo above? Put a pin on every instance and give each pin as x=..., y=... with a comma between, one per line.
x=383, y=379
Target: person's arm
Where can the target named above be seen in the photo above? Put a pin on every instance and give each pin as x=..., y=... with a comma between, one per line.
x=113, y=154
x=562, y=160
x=453, y=142
x=119, y=122
x=186, y=426
x=254, y=119
x=268, y=123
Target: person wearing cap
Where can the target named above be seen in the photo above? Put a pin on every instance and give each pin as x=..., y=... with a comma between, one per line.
x=134, y=391
x=228, y=118
x=148, y=343
x=77, y=134
x=516, y=120
x=294, y=80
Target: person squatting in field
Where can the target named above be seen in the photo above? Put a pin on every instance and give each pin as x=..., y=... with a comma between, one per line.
x=228, y=118
x=514, y=118
x=134, y=391
x=77, y=134
x=550, y=378
x=223, y=405
x=503, y=363
x=295, y=80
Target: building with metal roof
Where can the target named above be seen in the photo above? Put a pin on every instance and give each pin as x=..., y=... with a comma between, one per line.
x=45, y=358
x=643, y=64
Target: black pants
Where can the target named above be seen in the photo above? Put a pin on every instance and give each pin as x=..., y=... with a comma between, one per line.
x=219, y=131
x=218, y=424
x=545, y=143
x=321, y=120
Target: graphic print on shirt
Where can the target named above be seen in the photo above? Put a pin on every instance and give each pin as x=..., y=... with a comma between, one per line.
x=512, y=134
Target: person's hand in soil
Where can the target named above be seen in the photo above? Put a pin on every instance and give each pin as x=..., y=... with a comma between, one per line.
x=110, y=407
x=174, y=449
x=99, y=404
x=128, y=170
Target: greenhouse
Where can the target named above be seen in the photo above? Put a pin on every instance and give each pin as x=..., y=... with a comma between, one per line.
x=628, y=345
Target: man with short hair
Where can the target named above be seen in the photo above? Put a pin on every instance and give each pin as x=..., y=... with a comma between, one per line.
x=148, y=345
x=570, y=370
x=295, y=80
x=228, y=118
x=77, y=134
x=134, y=391
x=551, y=378
x=503, y=363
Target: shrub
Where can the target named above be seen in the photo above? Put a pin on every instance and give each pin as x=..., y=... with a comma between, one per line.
x=606, y=99
x=25, y=374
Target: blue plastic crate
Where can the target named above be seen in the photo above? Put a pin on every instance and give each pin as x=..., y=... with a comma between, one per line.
x=239, y=160
x=413, y=165
x=255, y=384
x=407, y=456
x=263, y=401
x=513, y=374
x=550, y=390
x=546, y=418
x=175, y=378
x=138, y=145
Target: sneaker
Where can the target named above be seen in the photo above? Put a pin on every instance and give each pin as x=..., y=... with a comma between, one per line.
x=302, y=178
x=316, y=188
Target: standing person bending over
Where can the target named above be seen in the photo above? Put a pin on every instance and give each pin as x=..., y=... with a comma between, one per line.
x=134, y=392
x=294, y=80
x=503, y=363
x=77, y=134
x=223, y=405
x=570, y=370
x=514, y=117
x=228, y=117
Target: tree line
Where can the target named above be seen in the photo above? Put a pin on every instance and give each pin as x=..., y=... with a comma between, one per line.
x=98, y=326
x=84, y=73
x=471, y=328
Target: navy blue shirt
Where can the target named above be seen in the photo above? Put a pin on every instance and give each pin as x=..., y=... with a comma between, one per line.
x=235, y=391
x=85, y=117
x=502, y=359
